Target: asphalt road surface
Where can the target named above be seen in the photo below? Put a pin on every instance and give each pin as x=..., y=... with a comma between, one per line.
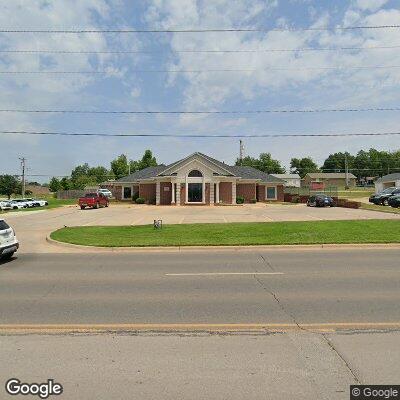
x=226, y=287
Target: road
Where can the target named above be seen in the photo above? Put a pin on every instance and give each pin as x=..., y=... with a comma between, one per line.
x=221, y=287
x=58, y=297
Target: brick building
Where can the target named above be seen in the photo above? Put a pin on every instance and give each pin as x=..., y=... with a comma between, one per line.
x=199, y=179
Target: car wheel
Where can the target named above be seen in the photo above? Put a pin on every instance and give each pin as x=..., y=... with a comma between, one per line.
x=7, y=256
x=96, y=205
x=106, y=204
x=385, y=202
x=82, y=207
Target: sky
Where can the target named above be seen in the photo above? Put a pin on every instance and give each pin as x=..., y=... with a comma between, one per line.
x=124, y=85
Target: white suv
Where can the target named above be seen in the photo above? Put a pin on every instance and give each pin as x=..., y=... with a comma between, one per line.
x=105, y=192
x=8, y=241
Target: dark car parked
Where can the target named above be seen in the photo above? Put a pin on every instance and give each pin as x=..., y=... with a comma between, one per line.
x=320, y=200
x=382, y=198
x=394, y=201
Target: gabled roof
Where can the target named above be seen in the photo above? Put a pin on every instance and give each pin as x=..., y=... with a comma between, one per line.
x=253, y=173
x=243, y=172
x=147, y=173
x=286, y=176
x=330, y=175
x=389, y=178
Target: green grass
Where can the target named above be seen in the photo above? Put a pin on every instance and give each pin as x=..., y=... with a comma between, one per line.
x=354, y=194
x=374, y=207
x=271, y=233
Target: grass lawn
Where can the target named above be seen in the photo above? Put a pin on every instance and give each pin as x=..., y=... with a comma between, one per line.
x=374, y=207
x=271, y=233
x=354, y=194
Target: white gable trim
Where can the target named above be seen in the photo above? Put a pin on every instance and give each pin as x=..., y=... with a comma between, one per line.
x=192, y=156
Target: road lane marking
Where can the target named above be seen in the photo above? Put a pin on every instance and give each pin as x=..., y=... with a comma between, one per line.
x=9, y=329
x=226, y=273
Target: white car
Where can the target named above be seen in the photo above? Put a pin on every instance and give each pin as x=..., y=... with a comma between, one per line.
x=18, y=205
x=8, y=241
x=105, y=192
x=41, y=203
x=5, y=205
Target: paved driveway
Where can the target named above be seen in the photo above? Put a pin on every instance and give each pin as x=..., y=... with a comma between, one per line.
x=33, y=227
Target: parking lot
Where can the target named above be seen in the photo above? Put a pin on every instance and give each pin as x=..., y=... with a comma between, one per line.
x=33, y=227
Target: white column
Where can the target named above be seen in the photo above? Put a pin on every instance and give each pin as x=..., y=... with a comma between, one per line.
x=211, y=193
x=178, y=193
x=217, y=193
x=234, y=192
x=158, y=192
x=173, y=193
x=203, y=197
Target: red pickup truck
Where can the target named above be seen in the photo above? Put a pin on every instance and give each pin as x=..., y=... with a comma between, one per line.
x=93, y=200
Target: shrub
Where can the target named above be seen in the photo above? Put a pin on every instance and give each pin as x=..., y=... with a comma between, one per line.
x=295, y=199
x=239, y=199
x=253, y=201
x=135, y=196
x=140, y=200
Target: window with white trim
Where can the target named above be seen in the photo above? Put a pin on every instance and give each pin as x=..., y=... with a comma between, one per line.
x=270, y=192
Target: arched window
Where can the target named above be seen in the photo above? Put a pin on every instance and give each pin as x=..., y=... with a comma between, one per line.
x=195, y=173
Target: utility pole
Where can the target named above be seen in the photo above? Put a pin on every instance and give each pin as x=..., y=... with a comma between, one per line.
x=241, y=151
x=346, y=166
x=23, y=165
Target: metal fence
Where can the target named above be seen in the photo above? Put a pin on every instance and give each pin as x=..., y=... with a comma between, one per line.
x=331, y=191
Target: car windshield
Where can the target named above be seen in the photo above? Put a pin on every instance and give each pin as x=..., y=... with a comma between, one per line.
x=388, y=191
x=3, y=225
x=90, y=195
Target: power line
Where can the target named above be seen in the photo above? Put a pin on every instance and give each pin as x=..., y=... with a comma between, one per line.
x=198, y=30
x=279, y=135
x=303, y=49
x=271, y=111
x=195, y=71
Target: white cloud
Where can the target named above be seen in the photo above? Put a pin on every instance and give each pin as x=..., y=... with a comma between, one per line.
x=371, y=5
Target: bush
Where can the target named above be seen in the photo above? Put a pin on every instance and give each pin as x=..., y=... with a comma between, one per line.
x=135, y=196
x=295, y=199
x=239, y=199
x=140, y=200
x=253, y=201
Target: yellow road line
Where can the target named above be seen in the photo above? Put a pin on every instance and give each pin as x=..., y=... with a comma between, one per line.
x=243, y=327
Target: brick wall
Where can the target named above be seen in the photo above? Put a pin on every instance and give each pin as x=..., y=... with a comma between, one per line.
x=165, y=193
x=280, y=193
x=225, y=192
x=148, y=192
x=247, y=190
x=183, y=194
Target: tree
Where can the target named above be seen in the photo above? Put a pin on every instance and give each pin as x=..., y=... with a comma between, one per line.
x=55, y=185
x=264, y=163
x=65, y=184
x=336, y=162
x=147, y=160
x=303, y=166
x=100, y=174
x=9, y=185
x=119, y=166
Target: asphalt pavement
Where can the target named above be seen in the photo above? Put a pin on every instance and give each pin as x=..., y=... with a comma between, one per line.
x=317, y=286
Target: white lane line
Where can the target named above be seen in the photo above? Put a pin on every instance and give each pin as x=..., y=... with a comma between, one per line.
x=226, y=273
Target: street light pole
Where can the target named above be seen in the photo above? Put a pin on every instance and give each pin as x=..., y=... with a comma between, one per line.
x=23, y=165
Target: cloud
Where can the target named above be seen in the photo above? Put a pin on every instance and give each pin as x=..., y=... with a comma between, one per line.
x=371, y=5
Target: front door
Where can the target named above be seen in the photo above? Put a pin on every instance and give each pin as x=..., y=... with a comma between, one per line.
x=195, y=192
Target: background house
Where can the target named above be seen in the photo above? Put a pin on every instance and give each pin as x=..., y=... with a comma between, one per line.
x=321, y=180
x=291, y=180
x=387, y=181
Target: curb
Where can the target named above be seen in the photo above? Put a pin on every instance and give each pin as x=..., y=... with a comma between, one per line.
x=366, y=246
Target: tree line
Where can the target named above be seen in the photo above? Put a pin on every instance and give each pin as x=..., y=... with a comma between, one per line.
x=363, y=164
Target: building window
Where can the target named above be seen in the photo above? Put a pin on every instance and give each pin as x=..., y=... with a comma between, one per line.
x=127, y=192
x=195, y=192
x=271, y=192
x=195, y=174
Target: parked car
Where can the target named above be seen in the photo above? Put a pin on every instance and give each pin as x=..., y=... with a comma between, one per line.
x=394, y=201
x=5, y=205
x=41, y=203
x=106, y=192
x=93, y=200
x=320, y=200
x=8, y=241
x=382, y=198
x=18, y=204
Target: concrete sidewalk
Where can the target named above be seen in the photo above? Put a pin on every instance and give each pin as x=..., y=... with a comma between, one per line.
x=285, y=366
